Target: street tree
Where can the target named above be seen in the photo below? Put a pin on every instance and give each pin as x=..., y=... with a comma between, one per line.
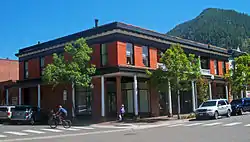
x=239, y=75
x=179, y=69
x=202, y=89
x=76, y=70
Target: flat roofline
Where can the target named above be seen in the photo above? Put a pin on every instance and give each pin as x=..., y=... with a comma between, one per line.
x=2, y=59
x=123, y=26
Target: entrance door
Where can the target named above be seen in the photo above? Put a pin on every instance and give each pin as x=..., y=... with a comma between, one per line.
x=143, y=101
x=128, y=101
x=26, y=96
x=112, y=103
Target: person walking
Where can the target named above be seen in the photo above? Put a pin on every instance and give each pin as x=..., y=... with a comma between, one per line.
x=122, y=112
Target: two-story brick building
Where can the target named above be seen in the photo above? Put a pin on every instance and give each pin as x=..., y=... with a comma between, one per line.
x=9, y=74
x=122, y=53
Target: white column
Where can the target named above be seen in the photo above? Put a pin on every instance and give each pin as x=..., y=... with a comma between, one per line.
x=19, y=96
x=196, y=95
x=73, y=99
x=102, y=96
x=242, y=94
x=169, y=99
x=135, y=96
x=193, y=95
x=7, y=97
x=210, y=90
x=38, y=96
x=226, y=92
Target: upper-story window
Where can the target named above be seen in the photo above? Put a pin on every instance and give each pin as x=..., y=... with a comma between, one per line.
x=145, y=56
x=224, y=67
x=104, y=54
x=42, y=65
x=26, y=70
x=216, y=67
x=130, y=53
x=204, y=63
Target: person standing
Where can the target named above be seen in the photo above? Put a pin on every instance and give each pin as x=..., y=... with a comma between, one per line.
x=122, y=112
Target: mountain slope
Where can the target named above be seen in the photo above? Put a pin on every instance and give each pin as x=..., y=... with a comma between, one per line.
x=224, y=28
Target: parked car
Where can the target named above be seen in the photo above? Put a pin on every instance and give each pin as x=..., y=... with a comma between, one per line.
x=5, y=113
x=213, y=109
x=25, y=114
x=240, y=105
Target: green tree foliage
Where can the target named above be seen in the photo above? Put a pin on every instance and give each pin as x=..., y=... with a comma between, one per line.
x=77, y=71
x=224, y=28
x=239, y=76
x=181, y=69
x=202, y=89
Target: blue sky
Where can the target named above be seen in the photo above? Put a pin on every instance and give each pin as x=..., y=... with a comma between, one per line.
x=25, y=22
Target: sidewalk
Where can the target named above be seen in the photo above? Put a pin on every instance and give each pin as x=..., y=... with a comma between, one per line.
x=131, y=122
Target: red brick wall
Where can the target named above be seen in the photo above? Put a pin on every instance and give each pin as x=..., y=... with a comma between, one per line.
x=112, y=54
x=212, y=67
x=67, y=56
x=121, y=51
x=51, y=98
x=9, y=70
x=96, y=55
x=48, y=59
x=34, y=68
x=220, y=67
x=96, y=104
x=154, y=102
x=153, y=57
x=21, y=70
x=138, y=56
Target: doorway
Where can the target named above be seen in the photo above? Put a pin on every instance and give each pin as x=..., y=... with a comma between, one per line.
x=26, y=96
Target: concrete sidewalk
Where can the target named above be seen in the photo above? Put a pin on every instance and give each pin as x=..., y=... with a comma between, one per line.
x=162, y=120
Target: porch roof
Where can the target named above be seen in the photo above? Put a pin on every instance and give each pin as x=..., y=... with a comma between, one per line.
x=25, y=83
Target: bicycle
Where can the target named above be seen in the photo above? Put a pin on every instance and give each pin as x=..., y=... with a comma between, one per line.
x=55, y=120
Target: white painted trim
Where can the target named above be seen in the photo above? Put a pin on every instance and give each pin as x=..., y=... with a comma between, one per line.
x=193, y=96
x=19, y=96
x=7, y=97
x=135, y=96
x=169, y=99
x=210, y=90
x=227, y=92
x=73, y=99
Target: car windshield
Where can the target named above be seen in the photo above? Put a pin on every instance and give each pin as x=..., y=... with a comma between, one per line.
x=239, y=101
x=208, y=103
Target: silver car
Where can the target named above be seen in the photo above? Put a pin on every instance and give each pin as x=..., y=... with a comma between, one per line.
x=213, y=109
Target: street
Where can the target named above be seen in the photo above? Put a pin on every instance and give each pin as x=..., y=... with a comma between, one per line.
x=236, y=128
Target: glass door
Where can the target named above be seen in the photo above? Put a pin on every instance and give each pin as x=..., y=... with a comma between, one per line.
x=112, y=103
x=143, y=101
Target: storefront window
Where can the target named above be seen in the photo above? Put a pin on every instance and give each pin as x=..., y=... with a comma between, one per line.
x=83, y=101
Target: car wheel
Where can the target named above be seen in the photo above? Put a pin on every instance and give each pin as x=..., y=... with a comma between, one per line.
x=228, y=113
x=240, y=111
x=216, y=115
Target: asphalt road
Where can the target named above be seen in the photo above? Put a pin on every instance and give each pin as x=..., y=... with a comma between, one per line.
x=234, y=129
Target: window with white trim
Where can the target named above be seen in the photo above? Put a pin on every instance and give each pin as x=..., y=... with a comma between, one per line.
x=130, y=53
x=145, y=57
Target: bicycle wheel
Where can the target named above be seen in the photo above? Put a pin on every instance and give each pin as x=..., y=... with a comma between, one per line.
x=66, y=123
x=53, y=123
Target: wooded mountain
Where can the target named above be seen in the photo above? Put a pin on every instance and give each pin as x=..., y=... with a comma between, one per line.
x=224, y=28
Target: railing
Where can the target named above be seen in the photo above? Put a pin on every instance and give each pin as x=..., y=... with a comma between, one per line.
x=205, y=71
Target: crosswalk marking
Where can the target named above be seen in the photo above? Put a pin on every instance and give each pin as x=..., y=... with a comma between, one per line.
x=34, y=131
x=175, y=125
x=248, y=125
x=70, y=129
x=52, y=130
x=194, y=124
x=232, y=124
x=86, y=128
x=16, y=133
x=2, y=136
x=212, y=124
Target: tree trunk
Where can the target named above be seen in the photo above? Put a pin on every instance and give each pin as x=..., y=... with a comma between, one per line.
x=178, y=103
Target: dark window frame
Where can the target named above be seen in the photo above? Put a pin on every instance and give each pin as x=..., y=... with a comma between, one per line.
x=40, y=64
x=26, y=71
x=224, y=67
x=207, y=65
x=133, y=52
x=103, y=55
x=217, y=67
x=148, y=58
